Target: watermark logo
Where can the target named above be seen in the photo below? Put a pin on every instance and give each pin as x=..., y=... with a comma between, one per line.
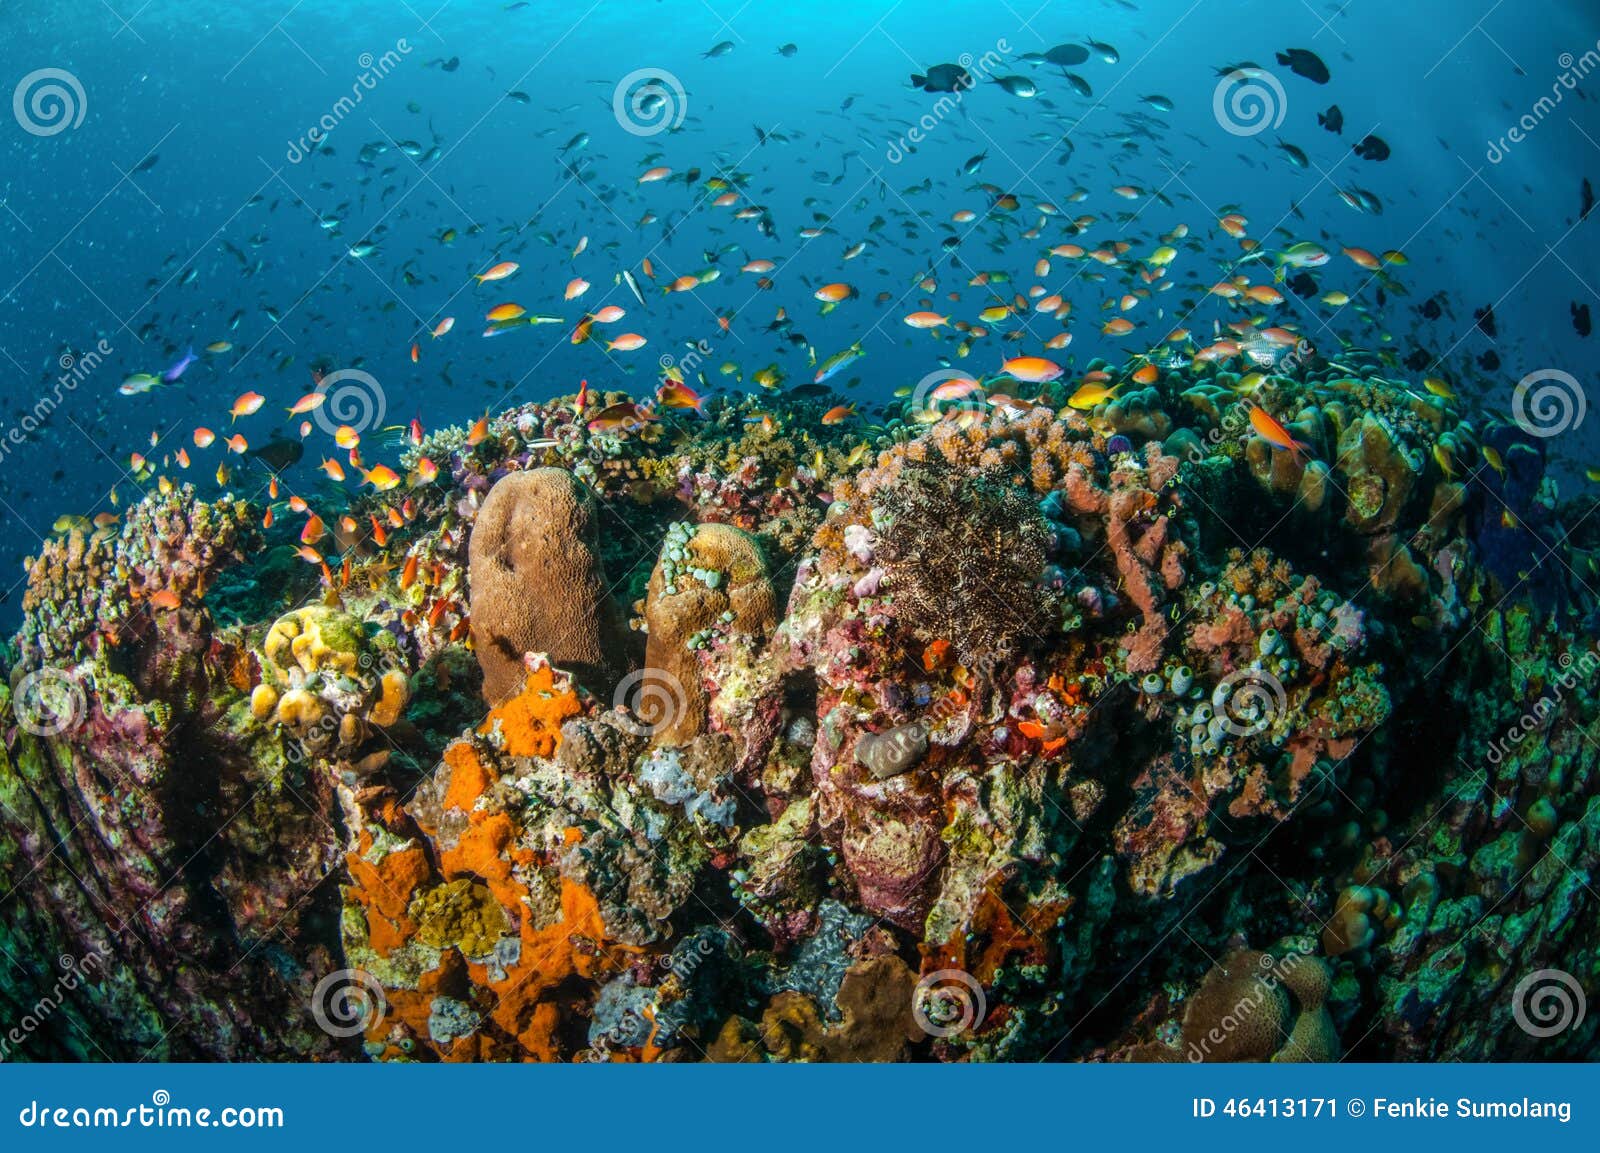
x=1248, y=101
x=1244, y=1012
x=948, y=1002
x=48, y=702
x=649, y=101
x=946, y=391
x=650, y=700
x=373, y=69
x=1556, y=690
x=689, y=363
x=355, y=399
x=75, y=369
x=1548, y=403
x=1547, y=1002
x=49, y=101
x=973, y=69
x=75, y=971
x=1248, y=700
x=1573, y=70
x=348, y=1002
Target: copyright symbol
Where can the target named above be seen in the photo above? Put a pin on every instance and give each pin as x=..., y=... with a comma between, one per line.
x=1356, y=1106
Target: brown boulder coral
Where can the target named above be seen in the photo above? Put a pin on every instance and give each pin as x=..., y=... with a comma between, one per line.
x=1256, y=1007
x=876, y=1023
x=1381, y=473
x=538, y=584
x=711, y=584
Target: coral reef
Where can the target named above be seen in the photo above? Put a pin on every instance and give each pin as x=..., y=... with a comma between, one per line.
x=996, y=735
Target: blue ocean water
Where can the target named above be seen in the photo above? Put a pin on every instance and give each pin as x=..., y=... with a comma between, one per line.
x=160, y=191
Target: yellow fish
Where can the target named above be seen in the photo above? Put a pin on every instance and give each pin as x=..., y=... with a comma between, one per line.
x=1091, y=394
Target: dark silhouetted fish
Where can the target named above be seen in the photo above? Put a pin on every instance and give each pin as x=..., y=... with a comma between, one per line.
x=279, y=453
x=943, y=78
x=1067, y=55
x=1304, y=62
x=1372, y=148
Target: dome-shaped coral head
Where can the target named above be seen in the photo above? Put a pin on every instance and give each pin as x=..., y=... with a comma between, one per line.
x=963, y=555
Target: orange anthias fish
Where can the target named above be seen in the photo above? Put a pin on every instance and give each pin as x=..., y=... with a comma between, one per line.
x=624, y=416
x=1031, y=369
x=380, y=477
x=1269, y=430
x=838, y=414
x=499, y=272
x=676, y=394
x=246, y=404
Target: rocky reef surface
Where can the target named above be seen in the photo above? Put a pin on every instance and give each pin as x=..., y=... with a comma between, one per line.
x=1005, y=732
